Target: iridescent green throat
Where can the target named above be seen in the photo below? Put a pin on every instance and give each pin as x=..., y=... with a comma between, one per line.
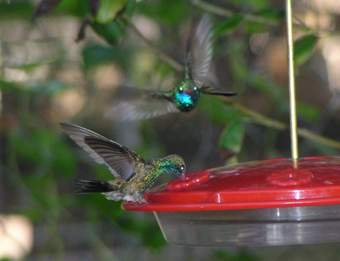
x=167, y=166
x=161, y=167
x=186, y=95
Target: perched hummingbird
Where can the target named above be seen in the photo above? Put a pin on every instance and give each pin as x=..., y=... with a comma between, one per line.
x=185, y=95
x=133, y=175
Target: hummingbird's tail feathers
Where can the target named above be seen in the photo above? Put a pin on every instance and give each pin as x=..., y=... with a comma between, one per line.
x=88, y=186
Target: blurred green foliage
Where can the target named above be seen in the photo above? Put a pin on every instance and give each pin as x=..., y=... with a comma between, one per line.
x=303, y=48
x=232, y=136
x=108, y=10
x=169, y=13
x=111, y=32
x=16, y=9
x=228, y=25
x=241, y=256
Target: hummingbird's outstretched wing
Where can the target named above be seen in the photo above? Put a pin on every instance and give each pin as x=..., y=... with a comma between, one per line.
x=199, y=59
x=200, y=52
x=149, y=106
x=216, y=92
x=120, y=160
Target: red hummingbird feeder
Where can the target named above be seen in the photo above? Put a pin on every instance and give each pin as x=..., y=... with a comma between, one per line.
x=262, y=203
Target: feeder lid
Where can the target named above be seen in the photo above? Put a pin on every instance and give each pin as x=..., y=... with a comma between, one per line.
x=261, y=184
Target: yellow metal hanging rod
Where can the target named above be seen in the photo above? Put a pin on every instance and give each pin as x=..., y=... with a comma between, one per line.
x=292, y=98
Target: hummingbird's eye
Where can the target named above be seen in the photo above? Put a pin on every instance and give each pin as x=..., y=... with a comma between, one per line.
x=181, y=89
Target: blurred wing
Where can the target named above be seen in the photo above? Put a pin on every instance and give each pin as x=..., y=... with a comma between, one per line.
x=216, y=92
x=146, y=107
x=119, y=159
x=200, y=51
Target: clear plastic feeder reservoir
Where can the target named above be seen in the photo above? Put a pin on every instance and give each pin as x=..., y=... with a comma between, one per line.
x=265, y=203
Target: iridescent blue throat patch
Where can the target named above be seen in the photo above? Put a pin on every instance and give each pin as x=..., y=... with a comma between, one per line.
x=186, y=96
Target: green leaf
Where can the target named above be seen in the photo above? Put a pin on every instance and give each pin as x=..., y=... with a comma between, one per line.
x=129, y=8
x=252, y=27
x=169, y=13
x=108, y=10
x=95, y=55
x=73, y=7
x=228, y=25
x=217, y=111
x=304, y=47
x=232, y=136
x=273, y=15
x=110, y=32
x=308, y=112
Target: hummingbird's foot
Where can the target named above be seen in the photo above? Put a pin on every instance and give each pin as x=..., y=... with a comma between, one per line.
x=136, y=197
x=118, y=196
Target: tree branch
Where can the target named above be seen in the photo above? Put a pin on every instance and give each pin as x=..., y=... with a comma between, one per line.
x=220, y=11
x=281, y=126
x=163, y=56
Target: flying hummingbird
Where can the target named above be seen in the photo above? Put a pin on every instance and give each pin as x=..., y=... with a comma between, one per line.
x=185, y=95
x=133, y=175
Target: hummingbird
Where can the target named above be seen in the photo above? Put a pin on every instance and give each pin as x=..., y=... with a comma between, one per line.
x=185, y=95
x=133, y=175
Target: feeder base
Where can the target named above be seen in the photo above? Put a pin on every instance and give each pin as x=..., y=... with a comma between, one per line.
x=252, y=228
